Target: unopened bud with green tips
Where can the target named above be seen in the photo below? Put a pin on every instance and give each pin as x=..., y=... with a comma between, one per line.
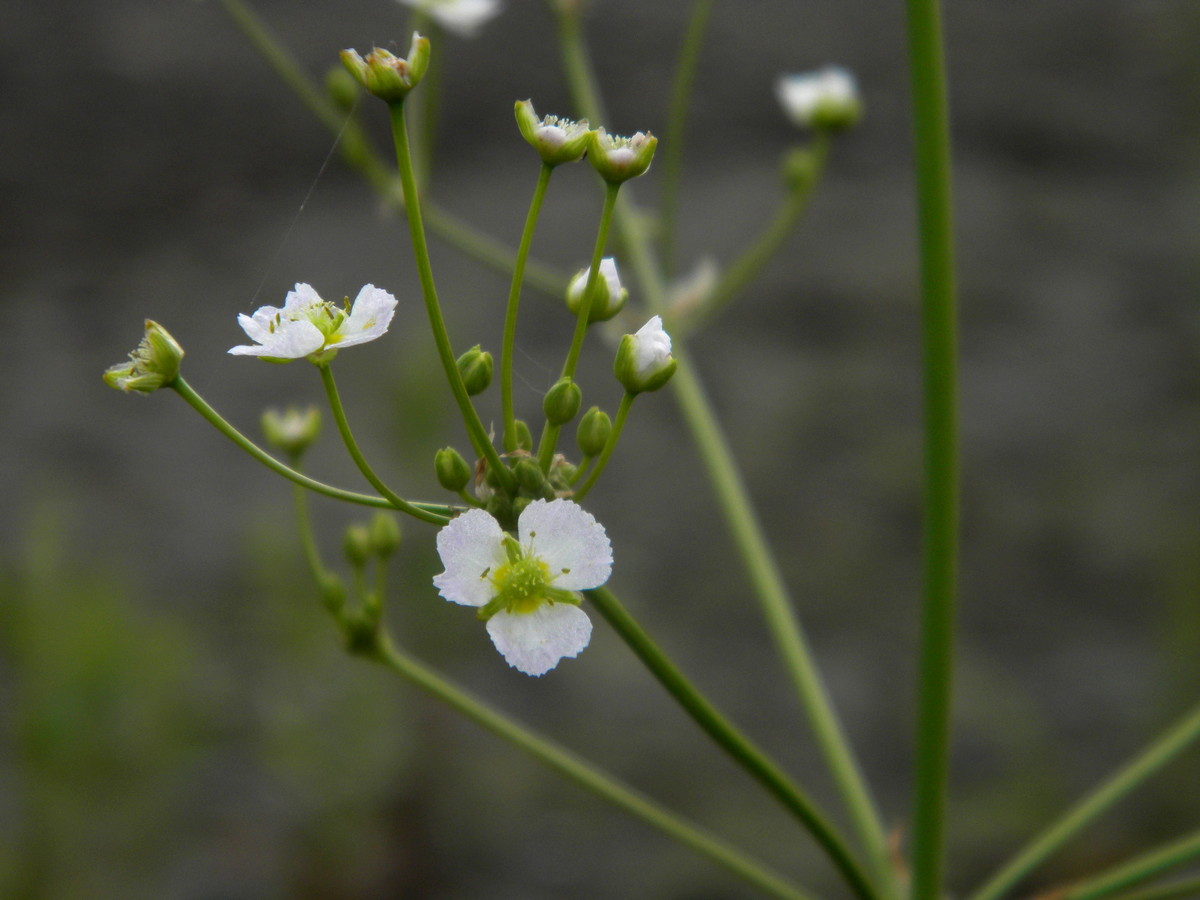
x=453, y=473
x=524, y=435
x=475, y=366
x=386, y=76
x=357, y=544
x=556, y=140
x=644, y=361
x=529, y=476
x=608, y=296
x=562, y=402
x=385, y=534
x=154, y=364
x=293, y=430
x=617, y=158
x=593, y=431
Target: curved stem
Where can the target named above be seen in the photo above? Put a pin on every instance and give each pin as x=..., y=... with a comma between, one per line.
x=514, y=300
x=1149, y=761
x=585, y=774
x=343, y=425
x=1143, y=868
x=412, y=206
x=931, y=132
x=609, y=446
x=732, y=741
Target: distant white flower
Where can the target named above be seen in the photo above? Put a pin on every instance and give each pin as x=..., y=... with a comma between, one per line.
x=307, y=324
x=827, y=98
x=461, y=17
x=644, y=361
x=525, y=587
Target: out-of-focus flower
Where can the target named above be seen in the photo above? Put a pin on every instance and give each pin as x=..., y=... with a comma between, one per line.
x=827, y=98
x=461, y=17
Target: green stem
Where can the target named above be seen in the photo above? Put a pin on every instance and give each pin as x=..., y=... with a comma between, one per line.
x=673, y=143
x=198, y=403
x=931, y=134
x=747, y=266
x=514, y=300
x=746, y=754
x=343, y=425
x=585, y=774
x=1142, y=868
x=362, y=157
x=609, y=446
x=1177, y=738
x=737, y=508
x=1176, y=890
x=412, y=205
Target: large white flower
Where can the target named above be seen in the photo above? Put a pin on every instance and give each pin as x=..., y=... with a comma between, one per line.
x=525, y=587
x=307, y=324
x=461, y=17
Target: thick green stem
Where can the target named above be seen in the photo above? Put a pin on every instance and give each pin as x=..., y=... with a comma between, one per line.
x=609, y=446
x=931, y=134
x=343, y=426
x=1148, y=762
x=732, y=741
x=673, y=140
x=198, y=403
x=585, y=774
x=1143, y=868
x=412, y=206
x=514, y=301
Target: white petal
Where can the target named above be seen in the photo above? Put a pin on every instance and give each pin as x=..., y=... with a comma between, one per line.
x=463, y=17
x=652, y=347
x=370, y=315
x=535, y=642
x=570, y=541
x=299, y=299
x=608, y=271
x=291, y=339
x=471, y=547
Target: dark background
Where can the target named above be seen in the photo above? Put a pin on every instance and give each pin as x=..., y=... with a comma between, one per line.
x=179, y=721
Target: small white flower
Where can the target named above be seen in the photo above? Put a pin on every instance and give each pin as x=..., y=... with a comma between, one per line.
x=609, y=297
x=825, y=98
x=525, y=587
x=644, y=361
x=307, y=324
x=461, y=17
x=556, y=140
x=619, y=158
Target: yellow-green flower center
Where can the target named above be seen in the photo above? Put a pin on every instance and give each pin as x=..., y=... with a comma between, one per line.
x=521, y=585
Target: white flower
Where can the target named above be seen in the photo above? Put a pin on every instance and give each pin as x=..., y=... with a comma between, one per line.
x=644, y=361
x=827, y=98
x=307, y=324
x=609, y=296
x=461, y=17
x=525, y=587
x=619, y=158
x=556, y=140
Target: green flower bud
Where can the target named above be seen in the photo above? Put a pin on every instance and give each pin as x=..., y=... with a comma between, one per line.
x=562, y=473
x=385, y=534
x=386, y=76
x=475, y=367
x=644, y=361
x=608, y=296
x=518, y=506
x=293, y=430
x=154, y=364
x=562, y=402
x=529, y=476
x=524, y=435
x=453, y=473
x=556, y=140
x=618, y=159
x=357, y=544
x=593, y=431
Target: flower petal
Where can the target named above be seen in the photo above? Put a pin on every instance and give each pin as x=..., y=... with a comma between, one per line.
x=569, y=540
x=370, y=315
x=535, y=642
x=291, y=339
x=471, y=547
x=299, y=299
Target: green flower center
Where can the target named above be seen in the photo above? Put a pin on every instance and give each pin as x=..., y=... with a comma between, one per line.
x=523, y=584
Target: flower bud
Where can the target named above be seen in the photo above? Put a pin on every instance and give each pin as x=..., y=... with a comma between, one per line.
x=386, y=76
x=825, y=100
x=608, y=296
x=475, y=367
x=524, y=435
x=618, y=159
x=562, y=473
x=644, y=361
x=293, y=430
x=357, y=544
x=385, y=534
x=529, y=476
x=593, y=431
x=556, y=140
x=453, y=473
x=562, y=402
x=154, y=364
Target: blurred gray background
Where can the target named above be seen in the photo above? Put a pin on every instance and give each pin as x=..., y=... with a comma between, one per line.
x=178, y=719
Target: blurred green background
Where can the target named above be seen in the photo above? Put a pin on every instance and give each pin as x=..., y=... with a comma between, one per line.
x=178, y=720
